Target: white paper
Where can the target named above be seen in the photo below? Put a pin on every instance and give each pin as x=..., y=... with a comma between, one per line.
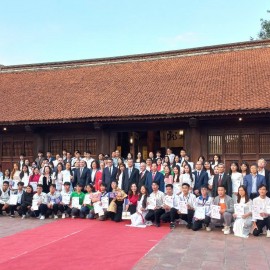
x=35, y=205
x=215, y=212
x=66, y=199
x=176, y=188
x=256, y=210
x=58, y=186
x=182, y=207
x=126, y=215
x=239, y=209
x=152, y=203
x=105, y=202
x=25, y=181
x=34, y=185
x=87, y=199
x=76, y=203
x=168, y=201
x=200, y=212
x=97, y=207
x=66, y=176
x=15, y=184
x=13, y=199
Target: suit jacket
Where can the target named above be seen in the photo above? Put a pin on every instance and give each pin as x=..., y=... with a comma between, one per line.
x=108, y=178
x=128, y=181
x=248, y=182
x=159, y=177
x=142, y=179
x=201, y=181
x=228, y=201
x=226, y=182
x=39, y=162
x=84, y=178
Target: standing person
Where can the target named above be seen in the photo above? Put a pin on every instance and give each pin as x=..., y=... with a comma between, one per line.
x=252, y=182
x=168, y=178
x=4, y=198
x=245, y=168
x=143, y=175
x=130, y=176
x=155, y=214
x=53, y=201
x=120, y=175
x=226, y=209
x=139, y=158
x=49, y=156
x=170, y=154
x=263, y=203
x=39, y=159
x=201, y=178
x=35, y=176
x=176, y=161
x=133, y=197
x=82, y=175
x=88, y=159
x=75, y=209
x=25, y=175
x=58, y=177
x=190, y=163
x=216, y=160
x=46, y=179
x=187, y=177
x=148, y=164
x=222, y=179
x=182, y=155
x=237, y=179
x=68, y=158
x=67, y=174
x=242, y=224
x=155, y=176
x=26, y=201
x=109, y=174
x=17, y=206
x=15, y=177
x=264, y=172
x=177, y=188
x=40, y=198
x=21, y=161
x=208, y=168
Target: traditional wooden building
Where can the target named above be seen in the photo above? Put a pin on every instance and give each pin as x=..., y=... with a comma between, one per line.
x=209, y=100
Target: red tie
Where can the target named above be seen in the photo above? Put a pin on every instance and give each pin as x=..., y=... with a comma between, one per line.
x=153, y=176
x=220, y=180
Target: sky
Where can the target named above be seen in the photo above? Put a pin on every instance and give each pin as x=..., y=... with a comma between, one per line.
x=34, y=31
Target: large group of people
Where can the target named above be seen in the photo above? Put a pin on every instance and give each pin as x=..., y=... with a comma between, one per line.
x=169, y=189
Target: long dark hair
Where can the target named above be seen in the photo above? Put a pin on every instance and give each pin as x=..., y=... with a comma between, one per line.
x=210, y=168
x=168, y=160
x=22, y=172
x=219, y=159
x=56, y=172
x=246, y=194
x=178, y=176
x=145, y=196
x=190, y=172
x=167, y=174
x=245, y=163
x=130, y=192
x=237, y=167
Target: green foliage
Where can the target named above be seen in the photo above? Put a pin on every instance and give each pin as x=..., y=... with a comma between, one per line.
x=265, y=29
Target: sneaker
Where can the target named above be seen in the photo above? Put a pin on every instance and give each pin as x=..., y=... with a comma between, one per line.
x=172, y=225
x=148, y=223
x=73, y=217
x=227, y=230
x=42, y=217
x=158, y=225
x=23, y=216
x=55, y=217
x=38, y=217
x=208, y=229
x=63, y=215
x=12, y=216
x=268, y=233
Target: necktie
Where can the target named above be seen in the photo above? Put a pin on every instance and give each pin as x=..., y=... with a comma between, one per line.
x=153, y=176
x=198, y=174
x=141, y=175
x=110, y=169
x=129, y=173
x=220, y=179
x=81, y=172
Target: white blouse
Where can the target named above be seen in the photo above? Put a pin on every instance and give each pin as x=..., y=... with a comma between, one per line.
x=237, y=181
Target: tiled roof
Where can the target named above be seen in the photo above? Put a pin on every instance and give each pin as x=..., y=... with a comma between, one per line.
x=225, y=79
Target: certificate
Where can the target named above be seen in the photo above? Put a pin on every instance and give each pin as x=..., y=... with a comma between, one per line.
x=176, y=188
x=215, y=211
x=66, y=176
x=76, y=203
x=168, y=201
x=13, y=199
x=152, y=203
x=239, y=209
x=97, y=207
x=15, y=184
x=256, y=210
x=66, y=199
x=35, y=205
x=200, y=212
x=182, y=206
x=87, y=199
x=105, y=202
x=58, y=185
x=25, y=181
x=34, y=186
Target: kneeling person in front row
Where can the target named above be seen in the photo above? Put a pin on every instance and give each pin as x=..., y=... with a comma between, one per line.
x=53, y=201
x=39, y=203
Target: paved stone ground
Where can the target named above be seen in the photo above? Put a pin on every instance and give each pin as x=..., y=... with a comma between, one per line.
x=185, y=249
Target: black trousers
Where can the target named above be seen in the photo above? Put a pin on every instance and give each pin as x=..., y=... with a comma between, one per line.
x=24, y=209
x=197, y=224
x=63, y=208
x=14, y=208
x=154, y=215
x=7, y=209
x=260, y=224
x=188, y=217
x=52, y=210
x=132, y=209
x=117, y=217
x=42, y=210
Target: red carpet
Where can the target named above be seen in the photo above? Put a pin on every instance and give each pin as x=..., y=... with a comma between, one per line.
x=69, y=244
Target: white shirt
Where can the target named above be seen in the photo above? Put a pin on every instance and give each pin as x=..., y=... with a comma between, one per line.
x=159, y=196
x=262, y=203
x=42, y=198
x=120, y=180
x=185, y=178
x=190, y=199
x=237, y=180
x=88, y=162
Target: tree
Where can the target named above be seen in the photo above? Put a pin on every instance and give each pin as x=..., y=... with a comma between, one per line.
x=265, y=29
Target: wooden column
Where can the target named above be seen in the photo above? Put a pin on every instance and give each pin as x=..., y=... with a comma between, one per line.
x=195, y=139
x=150, y=141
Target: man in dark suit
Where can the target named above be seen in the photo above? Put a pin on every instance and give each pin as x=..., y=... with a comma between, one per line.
x=252, y=182
x=109, y=174
x=49, y=156
x=130, y=176
x=222, y=179
x=82, y=175
x=156, y=176
x=201, y=178
x=143, y=175
x=264, y=172
x=39, y=159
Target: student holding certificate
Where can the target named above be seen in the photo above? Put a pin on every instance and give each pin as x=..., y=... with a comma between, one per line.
x=87, y=209
x=154, y=205
x=202, y=210
x=39, y=203
x=53, y=201
x=26, y=201
x=262, y=204
x=64, y=205
x=104, y=201
x=4, y=198
x=15, y=200
x=242, y=213
x=186, y=205
x=225, y=204
x=77, y=198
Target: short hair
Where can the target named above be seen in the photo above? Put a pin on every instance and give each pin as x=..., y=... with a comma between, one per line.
x=67, y=184
x=221, y=164
x=40, y=185
x=21, y=183
x=254, y=165
x=80, y=185
x=155, y=182
x=222, y=187
x=53, y=185
x=186, y=184
x=262, y=185
x=205, y=187
x=88, y=152
x=103, y=184
x=6, y=182
x=169, y=185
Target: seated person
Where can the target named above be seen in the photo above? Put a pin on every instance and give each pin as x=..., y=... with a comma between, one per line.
x=243, y=223
x=53, y=201
x=104, y=201
x=39, y=203
x=154, y=205
x=64, y=205
x=133, y=196
x=170, y=206
x=138, y=218
x=19, y=192
x=4, y=198
x=202, y=210
x=262, y=202
x=226, y=210
x=87, y=209
x=26, y=201
x=189, y=199
x=77, y=198
x=115, y=208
